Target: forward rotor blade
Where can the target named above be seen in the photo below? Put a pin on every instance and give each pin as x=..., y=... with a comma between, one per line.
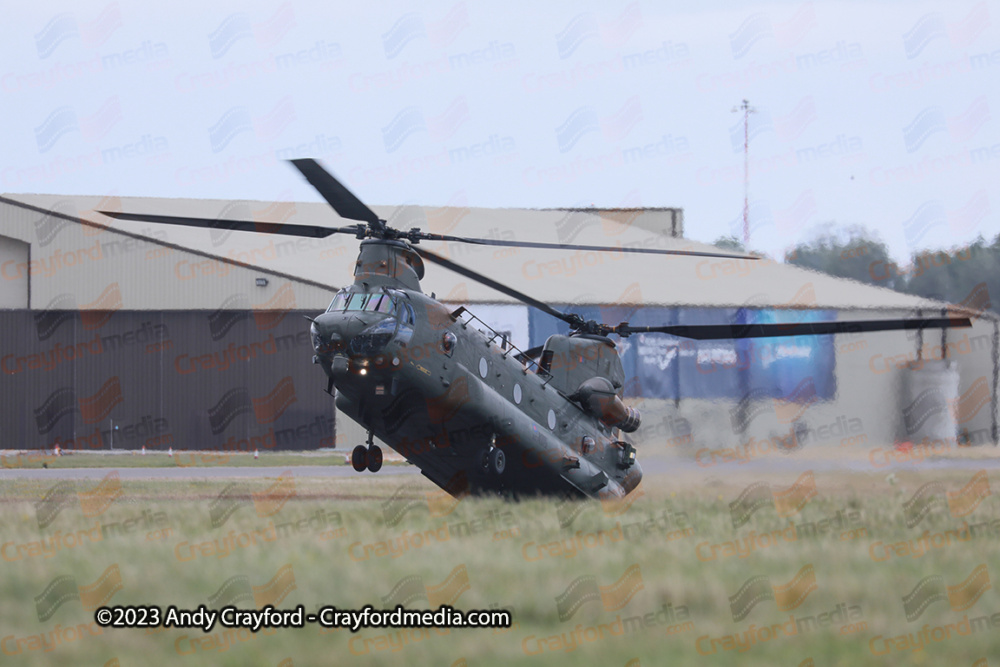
x=336, y=194
x=569, y=246
x=313, y=231
x=500, y=287
x=740, y=331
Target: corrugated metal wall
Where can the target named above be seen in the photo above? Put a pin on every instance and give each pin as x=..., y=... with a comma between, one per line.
x=78, y=266
x=209, y=380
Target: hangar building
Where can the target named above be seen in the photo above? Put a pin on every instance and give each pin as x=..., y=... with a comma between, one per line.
x=128, y=334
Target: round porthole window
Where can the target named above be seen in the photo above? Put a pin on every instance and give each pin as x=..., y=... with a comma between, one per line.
x=517, y=394
x=484, y=367
x=552, y=419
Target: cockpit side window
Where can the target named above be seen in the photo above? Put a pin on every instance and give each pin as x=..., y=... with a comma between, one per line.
x=338, y=302
x=404, y=331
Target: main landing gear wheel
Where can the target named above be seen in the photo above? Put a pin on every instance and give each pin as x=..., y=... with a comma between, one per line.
x=374, y=456
x=498, y=461
x=359, y=458
x=494, y=460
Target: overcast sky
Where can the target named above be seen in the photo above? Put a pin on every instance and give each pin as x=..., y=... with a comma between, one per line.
x=870, y=113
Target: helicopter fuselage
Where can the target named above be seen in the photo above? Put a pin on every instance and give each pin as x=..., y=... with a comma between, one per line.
x=444, y=390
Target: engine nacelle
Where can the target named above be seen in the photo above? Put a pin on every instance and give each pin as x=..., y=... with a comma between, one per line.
x=597, y=396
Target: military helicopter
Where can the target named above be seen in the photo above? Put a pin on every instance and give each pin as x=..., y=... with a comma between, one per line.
x=458, y=399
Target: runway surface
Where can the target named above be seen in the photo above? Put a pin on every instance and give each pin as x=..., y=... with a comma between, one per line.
x=653, y=466
x=216, y=472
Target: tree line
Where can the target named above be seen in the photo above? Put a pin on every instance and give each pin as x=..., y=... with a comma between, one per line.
x=965, y=275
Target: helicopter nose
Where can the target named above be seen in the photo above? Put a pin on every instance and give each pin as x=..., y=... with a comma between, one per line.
x=326, y=335
x=333, y=333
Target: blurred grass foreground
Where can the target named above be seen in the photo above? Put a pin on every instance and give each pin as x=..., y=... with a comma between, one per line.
x=791, y=568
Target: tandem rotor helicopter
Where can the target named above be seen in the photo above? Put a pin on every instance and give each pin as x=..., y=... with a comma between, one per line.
x=456, y=398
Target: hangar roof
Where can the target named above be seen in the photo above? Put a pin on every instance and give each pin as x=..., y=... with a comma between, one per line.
x=549, y=275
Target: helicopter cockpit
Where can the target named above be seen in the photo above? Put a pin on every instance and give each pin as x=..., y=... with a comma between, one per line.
x=372, y=320
x=377, y=302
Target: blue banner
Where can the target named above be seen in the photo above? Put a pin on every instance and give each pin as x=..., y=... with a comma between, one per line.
x=796, y=368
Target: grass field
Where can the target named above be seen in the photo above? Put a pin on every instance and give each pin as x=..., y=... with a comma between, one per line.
x=655, y=581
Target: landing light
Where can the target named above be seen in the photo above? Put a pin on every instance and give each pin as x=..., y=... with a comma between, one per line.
x=363, y=371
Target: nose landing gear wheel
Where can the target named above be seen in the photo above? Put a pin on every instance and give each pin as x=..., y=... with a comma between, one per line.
x=374, y=456
x=359, y=458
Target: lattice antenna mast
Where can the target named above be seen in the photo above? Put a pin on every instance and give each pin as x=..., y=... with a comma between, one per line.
x=747, y=110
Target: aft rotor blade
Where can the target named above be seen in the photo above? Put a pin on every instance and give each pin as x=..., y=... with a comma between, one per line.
x=530, y=353
x=343, y=201
x=500, y=287
x=570, y=246
x=740, y=331
x=313, y=231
